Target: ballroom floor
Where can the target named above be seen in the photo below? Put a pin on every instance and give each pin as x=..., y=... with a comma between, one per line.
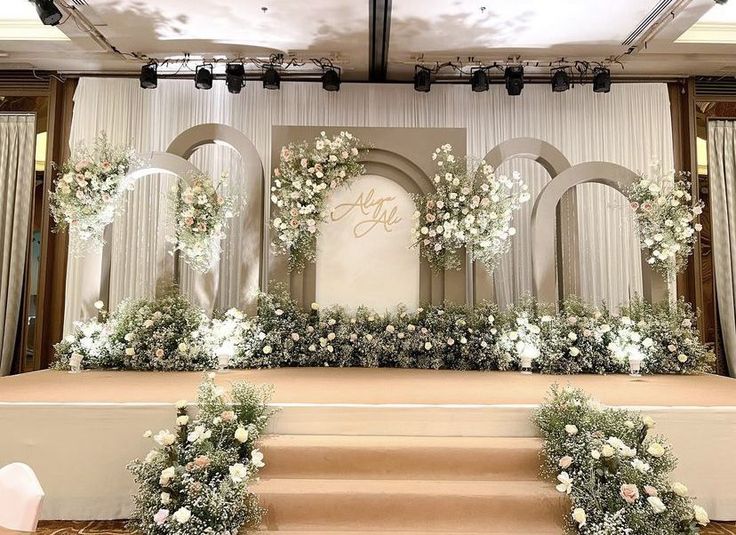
x=115, y=528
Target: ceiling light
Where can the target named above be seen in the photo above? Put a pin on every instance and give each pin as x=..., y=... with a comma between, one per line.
x=422, y=79
x=235, y=77
x=560, y=81
x=601, y=80
x=271, y=78
x=203, y=76
x=47, y=12
x=149, y=76
x=514, y=76
x=479, y=80
x=331, y=80
x=721, y=2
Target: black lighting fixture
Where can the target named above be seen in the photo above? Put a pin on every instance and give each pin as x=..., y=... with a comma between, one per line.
x=601, y=80
x=47, y=12
x=149, y=76
x=560, y=81
x=479, y=80
x=203, y=76
x=271, y=78
x=235, y=77
x=721, y=2
x=422, y=79
x=331, y=79
x=514, y=77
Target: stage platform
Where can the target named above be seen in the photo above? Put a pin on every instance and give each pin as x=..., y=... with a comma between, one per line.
x=78, y=431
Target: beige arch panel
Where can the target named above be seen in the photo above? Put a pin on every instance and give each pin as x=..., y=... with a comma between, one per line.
x=480, y=282
x=544, y=232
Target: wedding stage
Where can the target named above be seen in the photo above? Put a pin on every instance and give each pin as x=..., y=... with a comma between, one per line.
x=390, y=430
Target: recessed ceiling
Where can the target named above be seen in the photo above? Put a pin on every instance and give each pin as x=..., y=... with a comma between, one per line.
x=717, y=25
x=463, y=31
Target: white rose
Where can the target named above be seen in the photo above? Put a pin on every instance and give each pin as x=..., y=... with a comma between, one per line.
x=165, y=498
x=655, y=449
x=238, y=472
x=181, y=404
x=648, y=421
x=578, y=515
x=607, y=450
x=267, y=350
x=574, y=351
x=99, y=305
x=129, y=351
x=182, y=420
x=701, y=515
x=167, y=475
x=315, y=306
x=165, y=438
x=183, y=347
x=656, y=504
x=256, y=459
x=241, y=434
x=679, y=489
x=427, y=346
x=571, y=429
x=182, y=515
x=595, y=454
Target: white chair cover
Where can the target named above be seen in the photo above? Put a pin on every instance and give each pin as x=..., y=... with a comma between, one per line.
x=21, y=496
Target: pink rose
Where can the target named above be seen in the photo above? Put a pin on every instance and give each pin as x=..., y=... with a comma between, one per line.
x=161, y=516
x=227, y=416
x=565, y=462
x=277, y=172
x=629, y=492
x=651, y=491
x=635, y=205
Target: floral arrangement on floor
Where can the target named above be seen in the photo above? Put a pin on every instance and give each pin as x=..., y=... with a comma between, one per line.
x=666, y=218
x=196, y=479
x=307, y=172
x=170, y=334
x=88, y=188
x=471, y=208
x=201, y=213
x=617, y=475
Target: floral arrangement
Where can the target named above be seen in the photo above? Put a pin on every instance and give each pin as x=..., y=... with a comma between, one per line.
x=196, y=479
x=307, y=172
x=617, y=475
x=201, y=213
x=577, y=339
x=665, y=214
x=88, y=189
x=471, y=208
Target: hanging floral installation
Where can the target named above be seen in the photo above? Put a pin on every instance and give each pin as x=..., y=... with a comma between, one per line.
x=306, y=174
x=666, y=219
x=471, y=208
x=201, y=212
x=196, y=479
x=617, y=475
x=88, y=190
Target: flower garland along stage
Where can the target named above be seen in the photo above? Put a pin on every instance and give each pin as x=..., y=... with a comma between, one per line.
x=196, y=481
x=471, y=208
x=89, y=190
x=616, y=474
x=301, y=184
x=170, y=334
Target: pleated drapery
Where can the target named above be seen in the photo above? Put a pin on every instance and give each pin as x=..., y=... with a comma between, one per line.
x=722, y=175
x=628, y=126
x=17, y=164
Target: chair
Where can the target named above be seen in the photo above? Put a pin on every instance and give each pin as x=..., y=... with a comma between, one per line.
x=21, y=496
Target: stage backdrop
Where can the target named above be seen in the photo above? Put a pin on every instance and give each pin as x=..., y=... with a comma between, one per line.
x=629, y=126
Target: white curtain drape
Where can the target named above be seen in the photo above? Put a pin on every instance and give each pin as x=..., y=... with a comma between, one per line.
x=722, y=174
x=628, y=126
x=17, y=162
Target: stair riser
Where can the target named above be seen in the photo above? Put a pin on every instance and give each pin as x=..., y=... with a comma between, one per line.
x=388, y=512
x=421, y=464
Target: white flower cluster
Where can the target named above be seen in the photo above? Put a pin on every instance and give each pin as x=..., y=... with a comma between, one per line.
x=196, y=479
x=301, y=183
x=666, y=217
x=471, y=208
x=88, y=190
x=201, y=214
x=617, y=476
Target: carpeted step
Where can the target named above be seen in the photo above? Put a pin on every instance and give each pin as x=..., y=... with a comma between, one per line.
x=510, y=507
x=400, y=457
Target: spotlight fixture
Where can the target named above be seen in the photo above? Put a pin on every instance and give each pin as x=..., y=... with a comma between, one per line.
x=271, y=78
x=721, y=2
x=47, y=12
x=422, y=79
x=149, y=76
x=560, y=81
x=601, y=80
x=331, y=80
x=479, y=80
x=203, y=76
x=234, y=77
x=514, y=76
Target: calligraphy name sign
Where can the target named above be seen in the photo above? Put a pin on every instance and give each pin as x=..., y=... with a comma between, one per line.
x=374, y=211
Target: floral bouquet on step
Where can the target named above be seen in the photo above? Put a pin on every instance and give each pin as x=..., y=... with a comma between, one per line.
x=88, y=190
x=196, y=479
